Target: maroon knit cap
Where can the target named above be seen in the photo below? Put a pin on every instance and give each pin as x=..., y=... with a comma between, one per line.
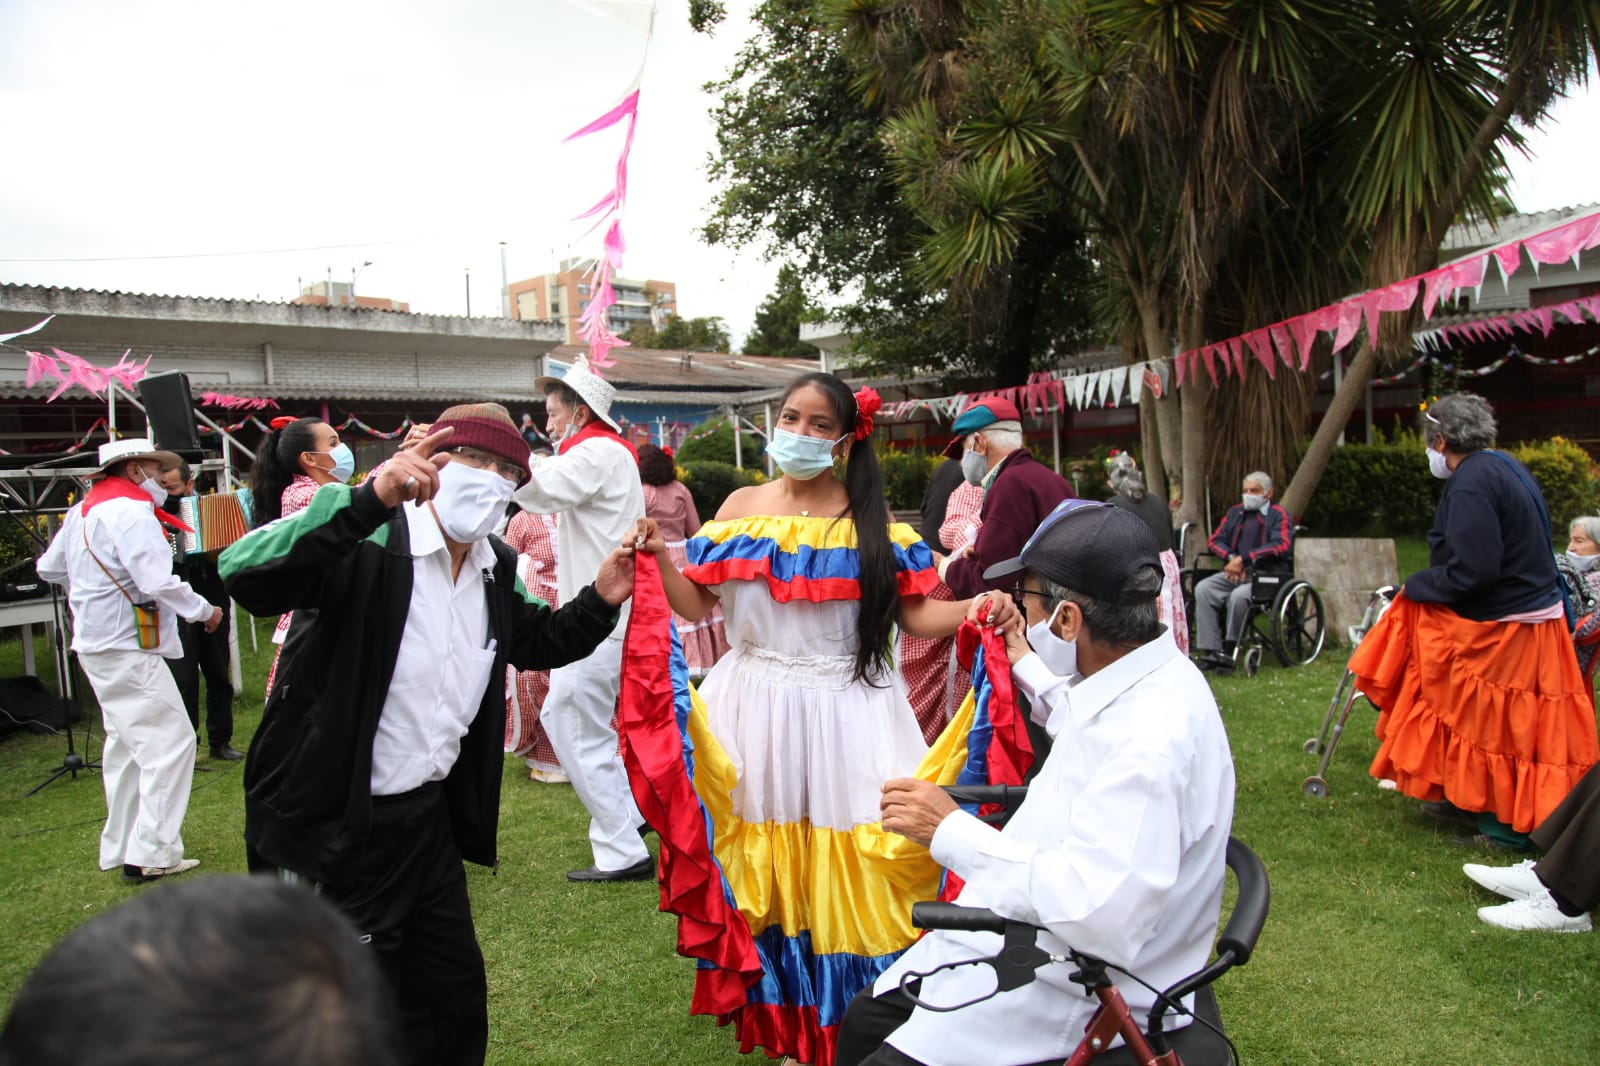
x=488, y=428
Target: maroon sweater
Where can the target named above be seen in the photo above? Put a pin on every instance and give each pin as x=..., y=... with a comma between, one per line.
x=1022, y=493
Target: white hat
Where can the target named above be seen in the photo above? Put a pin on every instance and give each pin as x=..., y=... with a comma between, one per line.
x=595, y=391
x=120, y=451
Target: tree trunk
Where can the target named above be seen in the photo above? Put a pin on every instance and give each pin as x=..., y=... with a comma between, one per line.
x=1157, y=418
x=1169, y=422
x=1155, y=479
x=1297, y=497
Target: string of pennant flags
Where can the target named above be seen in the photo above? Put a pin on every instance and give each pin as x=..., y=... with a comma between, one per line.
x=1054, y=390
x=1435, y=359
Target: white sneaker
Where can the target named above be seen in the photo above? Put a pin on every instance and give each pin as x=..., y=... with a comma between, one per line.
x=1512, y=882
x=1536, y=913
x=134, y=873
x=549, y=777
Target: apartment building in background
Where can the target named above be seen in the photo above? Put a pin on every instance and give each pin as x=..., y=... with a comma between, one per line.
x=564, y=295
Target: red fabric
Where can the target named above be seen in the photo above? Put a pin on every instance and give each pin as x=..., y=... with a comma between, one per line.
x=710, y=927
x=768, y=1025
x=120, y=488
x=595, y=429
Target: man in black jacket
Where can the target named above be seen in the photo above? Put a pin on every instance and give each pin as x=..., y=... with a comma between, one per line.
x=377, y=766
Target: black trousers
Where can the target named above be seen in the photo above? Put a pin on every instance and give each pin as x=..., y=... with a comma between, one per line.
x=205, y=654
x=1570, y=837
x=407, y=894
x=868, y=1022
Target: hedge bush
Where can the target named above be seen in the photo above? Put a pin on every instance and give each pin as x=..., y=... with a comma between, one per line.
x=906, y=475
x=710, y=483
x=1563, y=472
x=717, y=446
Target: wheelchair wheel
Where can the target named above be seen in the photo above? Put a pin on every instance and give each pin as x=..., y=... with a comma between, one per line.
x=1251, y=658
x=1299, y=625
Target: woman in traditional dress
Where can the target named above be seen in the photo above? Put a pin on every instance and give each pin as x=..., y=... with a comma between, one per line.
x=812, y=579
x=296, y=458
x=533, y=537
x=1483, y=713
x=668, y=502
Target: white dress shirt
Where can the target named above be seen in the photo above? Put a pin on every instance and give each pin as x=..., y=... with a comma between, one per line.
x=444, y=663
x=126, y=536
x=593, y=488
x=1118, y=850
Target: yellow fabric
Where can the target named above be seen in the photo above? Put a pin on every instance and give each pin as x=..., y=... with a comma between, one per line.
x=791, y=532
x=852, y=890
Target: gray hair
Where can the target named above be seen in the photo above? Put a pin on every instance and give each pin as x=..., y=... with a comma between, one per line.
x=1590, y=524
x=1007, y=440
x=1465, y=421
x=1261, y=476
x=1135, y=620
x=1123, y=473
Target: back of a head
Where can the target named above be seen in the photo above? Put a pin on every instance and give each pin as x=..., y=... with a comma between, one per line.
x=656, y=466
x=218, y=969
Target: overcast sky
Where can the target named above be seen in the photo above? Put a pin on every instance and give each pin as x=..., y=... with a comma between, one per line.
x=143, y=137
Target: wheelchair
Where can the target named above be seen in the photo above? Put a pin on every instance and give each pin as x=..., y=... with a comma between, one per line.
x=1202, y=1043
x=1285, y=616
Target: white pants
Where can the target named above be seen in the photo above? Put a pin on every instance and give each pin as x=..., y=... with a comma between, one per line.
x=577, y=718
x=147, y=763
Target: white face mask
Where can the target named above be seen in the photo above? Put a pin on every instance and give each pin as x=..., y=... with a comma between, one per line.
x=153, y=489
x=1438, y=465
x=973, y=467
x=1582, y=563
x=470, y=501
x=1059, y=656
x=1255, y=503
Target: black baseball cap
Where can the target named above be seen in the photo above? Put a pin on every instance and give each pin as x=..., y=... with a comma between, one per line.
x=1088, y=547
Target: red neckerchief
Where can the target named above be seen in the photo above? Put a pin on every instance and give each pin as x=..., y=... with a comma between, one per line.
x=594, y=429
x=120, y=488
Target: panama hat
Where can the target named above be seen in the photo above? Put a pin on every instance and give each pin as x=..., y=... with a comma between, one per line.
x=594, y=390
x=120, y=451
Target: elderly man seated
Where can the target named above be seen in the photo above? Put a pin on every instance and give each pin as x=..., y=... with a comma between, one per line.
x=1118, y=849
x=1254, y=537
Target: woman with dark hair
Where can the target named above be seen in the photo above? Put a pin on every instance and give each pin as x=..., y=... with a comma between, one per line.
x=668, y=502
x=1484, y=714
x=296, y=458
x=813, y=579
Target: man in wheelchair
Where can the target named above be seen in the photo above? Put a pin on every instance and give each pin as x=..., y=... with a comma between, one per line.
x=1118, y=849
x=1254, y=537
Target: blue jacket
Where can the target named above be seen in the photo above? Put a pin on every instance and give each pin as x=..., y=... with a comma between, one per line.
x=1274, y=552
x=1489, y=550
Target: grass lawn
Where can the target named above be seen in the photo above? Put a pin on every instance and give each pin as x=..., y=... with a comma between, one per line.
x=1372, y=952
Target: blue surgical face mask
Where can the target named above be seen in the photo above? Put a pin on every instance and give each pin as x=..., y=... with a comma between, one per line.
x=800, y=456
x=344, y=462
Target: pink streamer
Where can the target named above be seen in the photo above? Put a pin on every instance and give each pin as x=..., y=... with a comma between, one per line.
x=1509, y=257
x=40, y=366
x=236, y=403
x=1261, y=344
x=1304, y=332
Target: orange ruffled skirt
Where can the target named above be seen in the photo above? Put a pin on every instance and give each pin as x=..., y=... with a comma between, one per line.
x=1491, y=716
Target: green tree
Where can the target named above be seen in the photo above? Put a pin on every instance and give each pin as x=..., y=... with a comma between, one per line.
x=777, y=328
x=709, y=334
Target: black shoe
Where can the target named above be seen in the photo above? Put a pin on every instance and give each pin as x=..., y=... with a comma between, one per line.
x=1446, y=811
x=645, y=829
x=643, y=870
x=226, y=753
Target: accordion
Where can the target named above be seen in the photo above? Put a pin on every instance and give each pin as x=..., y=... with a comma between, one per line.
x=217, y=520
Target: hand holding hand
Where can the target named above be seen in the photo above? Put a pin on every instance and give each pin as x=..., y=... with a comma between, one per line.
x=1234, y=571
x=214, y=621
x=914, y=808
x=614, y=582
x=414, y=473
x=994, y=609
x=645, y=536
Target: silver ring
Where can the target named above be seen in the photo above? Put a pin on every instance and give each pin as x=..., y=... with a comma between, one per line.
x=410, y=480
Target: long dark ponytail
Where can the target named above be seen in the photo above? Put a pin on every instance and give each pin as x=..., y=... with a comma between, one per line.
x=277, y=464
x=869, y=507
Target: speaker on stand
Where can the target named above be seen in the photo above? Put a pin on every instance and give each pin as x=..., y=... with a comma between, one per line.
x=170, y=411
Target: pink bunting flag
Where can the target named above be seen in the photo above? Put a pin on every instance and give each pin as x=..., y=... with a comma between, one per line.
x=1564, y=242
x=1509, y=256
x=1281, y=341
x=1261, y=344
x=237, y=403
x=1397, y=297
x=1304, y=331
x=1347, y=321
x=1235, y=351
x=1152, y=380
x=40, y=366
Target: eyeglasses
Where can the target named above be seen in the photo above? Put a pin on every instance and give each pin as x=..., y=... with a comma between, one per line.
x=484, y=461
x=1017, y=597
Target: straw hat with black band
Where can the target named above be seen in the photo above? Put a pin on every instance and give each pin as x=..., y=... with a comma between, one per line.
x=121, y=451
x=595, y=392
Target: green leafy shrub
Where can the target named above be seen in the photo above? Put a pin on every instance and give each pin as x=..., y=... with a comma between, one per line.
x=710, y=483
x=1381, y=489
x=717, y=446
x=1563, y=472
x=905, y=476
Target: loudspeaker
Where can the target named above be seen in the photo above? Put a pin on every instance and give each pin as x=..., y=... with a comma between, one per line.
x=27, y=704
x=170, y=411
